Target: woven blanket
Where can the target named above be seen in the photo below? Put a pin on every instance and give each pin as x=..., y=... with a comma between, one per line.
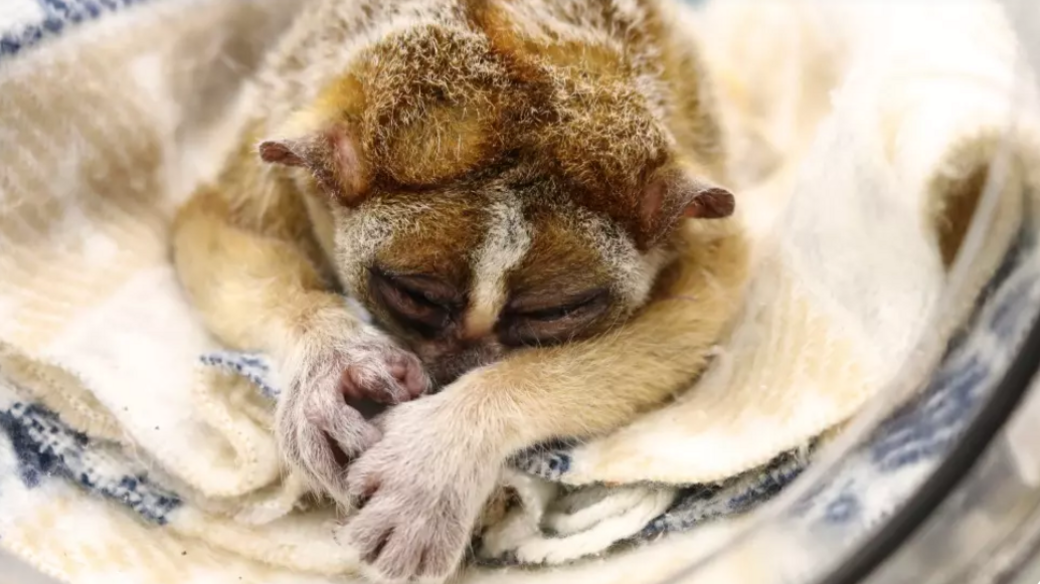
x=855, y=133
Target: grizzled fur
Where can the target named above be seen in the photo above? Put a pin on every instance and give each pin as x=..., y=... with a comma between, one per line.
x=512, y=188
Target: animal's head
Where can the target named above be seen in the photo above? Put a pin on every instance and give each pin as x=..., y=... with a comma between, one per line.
x=494, y=189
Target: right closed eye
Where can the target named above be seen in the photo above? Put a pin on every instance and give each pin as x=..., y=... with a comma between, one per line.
x=414, y=306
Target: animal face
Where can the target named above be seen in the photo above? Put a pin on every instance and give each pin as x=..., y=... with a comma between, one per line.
x=467, y=272
x=490, y=193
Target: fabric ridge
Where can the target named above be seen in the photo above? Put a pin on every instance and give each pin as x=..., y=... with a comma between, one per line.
x=120, y=415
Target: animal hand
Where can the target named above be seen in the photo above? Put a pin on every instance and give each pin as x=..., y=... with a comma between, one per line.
x=318, y=430
x=420, y=489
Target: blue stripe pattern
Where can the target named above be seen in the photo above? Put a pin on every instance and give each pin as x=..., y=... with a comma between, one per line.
x=45, y=448
x=58, y=15
x=912, y=440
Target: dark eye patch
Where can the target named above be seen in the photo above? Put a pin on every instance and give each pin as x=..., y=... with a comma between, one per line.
x=564, y=309
x=422, y=303
x=534, y=321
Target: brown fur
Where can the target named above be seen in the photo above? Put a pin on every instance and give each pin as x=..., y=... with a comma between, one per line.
x=503, y=185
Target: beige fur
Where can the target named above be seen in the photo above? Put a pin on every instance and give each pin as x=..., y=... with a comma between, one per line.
x=527, y=167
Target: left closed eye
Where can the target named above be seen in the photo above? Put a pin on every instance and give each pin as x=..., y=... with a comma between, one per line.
x=522, y=326
x=414, y=300
x=561, y=311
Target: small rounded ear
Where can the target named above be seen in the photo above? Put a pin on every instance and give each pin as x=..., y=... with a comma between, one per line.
x=331, y=155
x=675, y=193
x=285, y=152
x=710, y=202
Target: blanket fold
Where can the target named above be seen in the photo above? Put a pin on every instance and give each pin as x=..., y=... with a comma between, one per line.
x=859, y=157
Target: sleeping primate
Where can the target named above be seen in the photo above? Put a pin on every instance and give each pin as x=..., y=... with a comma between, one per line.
x=527, y=196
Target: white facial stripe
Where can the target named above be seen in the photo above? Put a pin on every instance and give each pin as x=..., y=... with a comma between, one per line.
x=506, y=242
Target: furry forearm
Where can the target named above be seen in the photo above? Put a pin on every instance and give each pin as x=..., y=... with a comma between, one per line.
x=253, y=290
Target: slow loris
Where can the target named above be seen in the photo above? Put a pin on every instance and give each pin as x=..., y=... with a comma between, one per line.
x=526, y=196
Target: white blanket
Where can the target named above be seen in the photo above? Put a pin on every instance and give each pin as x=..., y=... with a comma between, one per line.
x=853, y=130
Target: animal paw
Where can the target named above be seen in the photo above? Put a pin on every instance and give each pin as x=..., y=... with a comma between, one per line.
x=319, y=427
x=420, y=491
x=382, y=373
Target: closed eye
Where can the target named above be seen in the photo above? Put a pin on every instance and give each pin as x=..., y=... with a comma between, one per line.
x=418, y=297
x=526, y=326
x=564, y=310
x=418, y=302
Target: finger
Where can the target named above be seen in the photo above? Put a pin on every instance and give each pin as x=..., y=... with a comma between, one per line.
x=362, y=484
x=286, y=421
x=393, y=391
x=296, y=437
x=318, y=461
x=432, y=565
x=415, y=380
x=369, y=531
x=376, y=383
x=442, y=553
x=335, y=421
x=349, y=430
x=407, y=370
x=324, y=416
x=399, y=558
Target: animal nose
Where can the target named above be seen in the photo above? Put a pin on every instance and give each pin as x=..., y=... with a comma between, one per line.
x=477, y=326
x=469, y=357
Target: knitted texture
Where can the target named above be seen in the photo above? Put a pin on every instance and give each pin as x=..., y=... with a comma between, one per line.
x=120, y=416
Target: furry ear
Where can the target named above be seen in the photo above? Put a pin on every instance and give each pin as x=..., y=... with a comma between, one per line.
x=675, y=193
x=286, y=152
x=331, y=155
